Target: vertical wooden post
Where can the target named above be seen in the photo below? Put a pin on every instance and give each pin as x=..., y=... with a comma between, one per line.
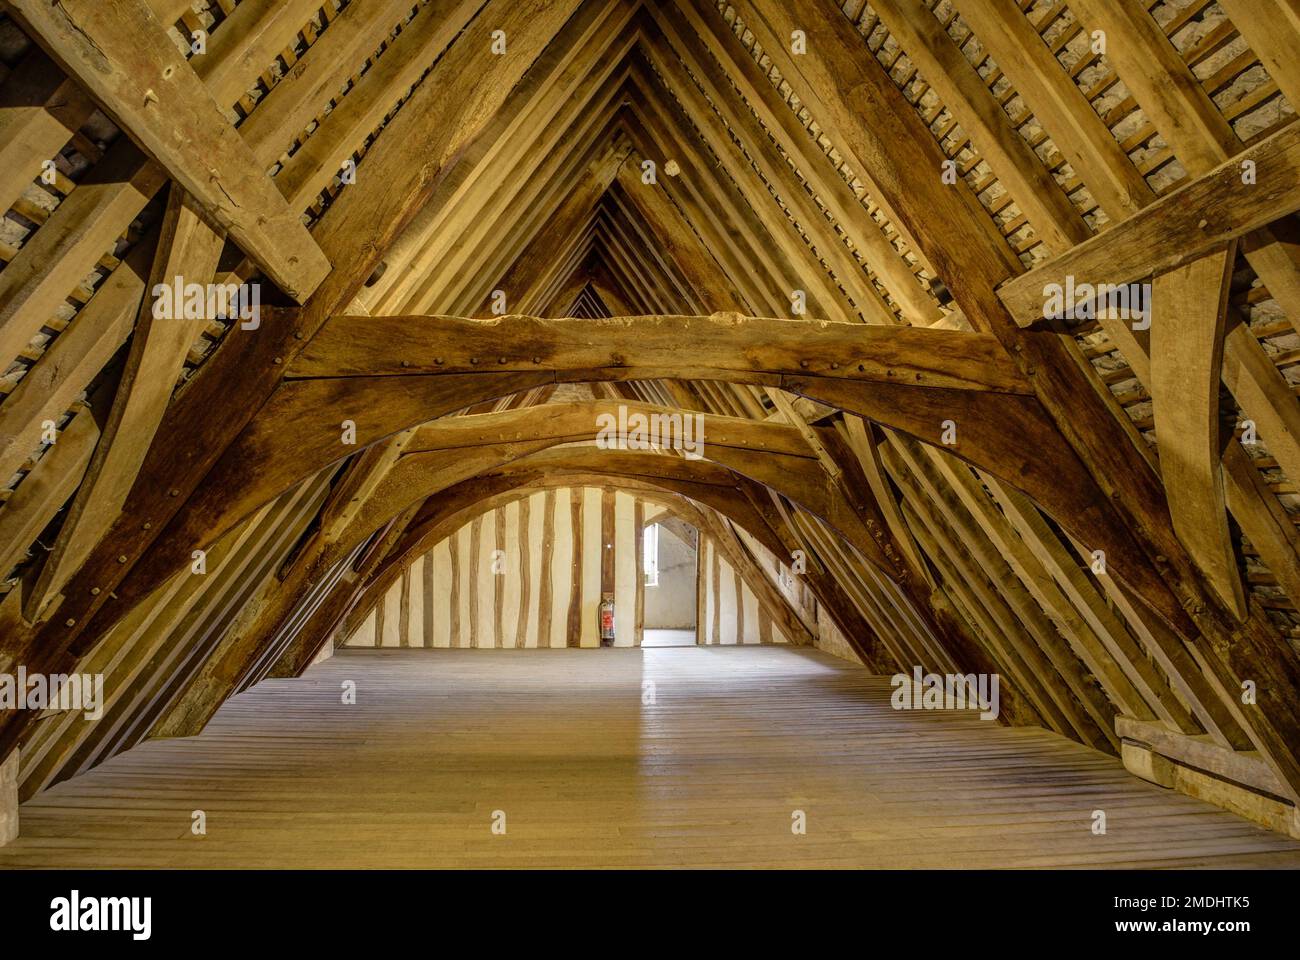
x=638, y=551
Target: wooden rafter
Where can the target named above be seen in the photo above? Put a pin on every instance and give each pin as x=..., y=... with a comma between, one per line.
x=160, y=101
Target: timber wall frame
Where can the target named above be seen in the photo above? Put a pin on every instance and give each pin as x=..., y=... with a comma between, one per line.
x=1171, y=157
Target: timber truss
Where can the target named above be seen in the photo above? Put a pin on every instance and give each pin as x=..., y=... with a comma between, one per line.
x=480, y=226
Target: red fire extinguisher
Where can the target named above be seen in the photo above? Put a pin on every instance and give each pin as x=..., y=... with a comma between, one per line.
x=607, y=620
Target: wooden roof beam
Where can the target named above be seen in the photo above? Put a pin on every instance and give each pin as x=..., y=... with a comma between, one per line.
x=858, y=104
x=1059, y=105
x=349, y=346
x=57, y=258
x=1173, y=99
x=488, y=226
x=1015, y=652
x=319, y=158
x=40, y=110
x=635, y=235
x=891, y=632
x=1102, y=612
x=693, y=257
x=526, y=114
x=155, y=95
x=885, y=133
x=1273, y=32
x=451, y=450
x=665, y=133
x=1183, y=225
x=243, y=44
x=381, y=405
x=320, y=74
x=963, y=91
x=137, y=655
x=94, y=217
x=863, y=442
x=525, y=282
x=64, y=370
x=491, y=231
x=52, y=479
x=758, y=90
x=189, y=247
x=180, y=640
x=737, y=120
x=624, y=243
x=1030, y=605
x=708, y=286
x=446, y=112
x=203, y=689
x=1189, y=307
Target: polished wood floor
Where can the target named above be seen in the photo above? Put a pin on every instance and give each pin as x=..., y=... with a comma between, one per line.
x=586, y=774
x=668, y=638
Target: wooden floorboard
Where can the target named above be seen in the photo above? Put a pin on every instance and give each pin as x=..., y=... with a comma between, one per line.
x=587, y=775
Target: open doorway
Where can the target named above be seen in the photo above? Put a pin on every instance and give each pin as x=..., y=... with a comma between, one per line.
x=670, y=552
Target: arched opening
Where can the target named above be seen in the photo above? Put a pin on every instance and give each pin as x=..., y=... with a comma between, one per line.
x=541, y=568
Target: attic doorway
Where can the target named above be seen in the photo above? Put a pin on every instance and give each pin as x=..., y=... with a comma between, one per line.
x=670, y=562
